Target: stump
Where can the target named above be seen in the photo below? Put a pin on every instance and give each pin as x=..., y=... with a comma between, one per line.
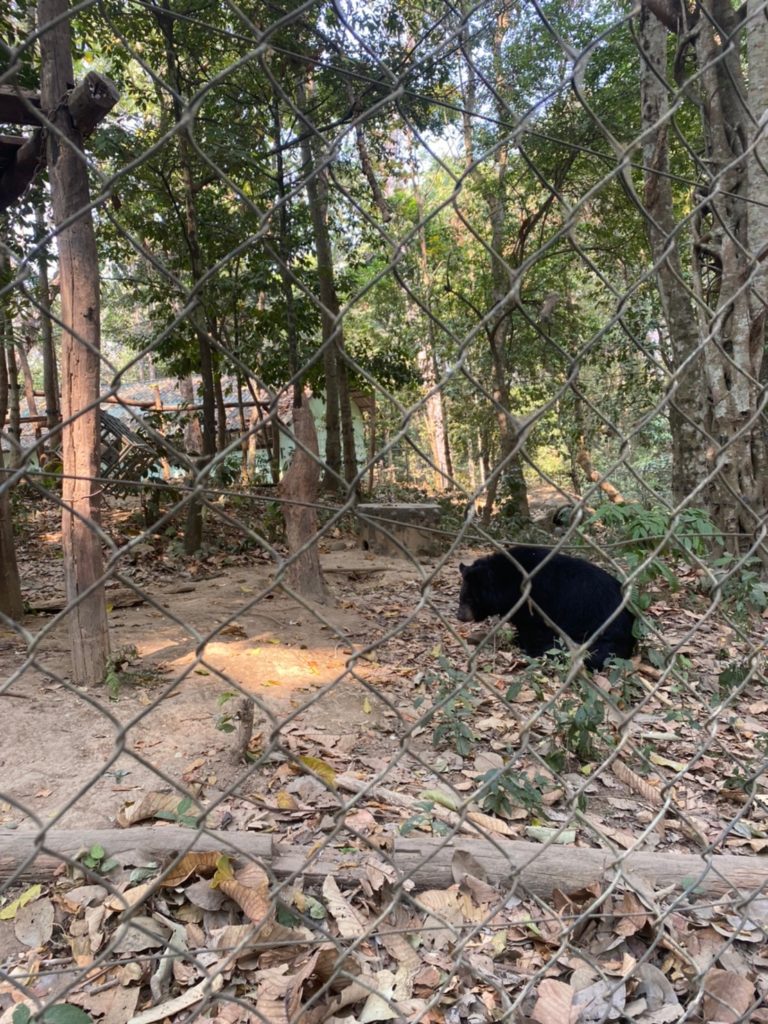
x=400, y=530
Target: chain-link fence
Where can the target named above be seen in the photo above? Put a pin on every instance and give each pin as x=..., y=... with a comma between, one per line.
x=383, y=505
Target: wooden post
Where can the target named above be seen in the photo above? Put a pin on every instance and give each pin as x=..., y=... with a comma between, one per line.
x=80, y=359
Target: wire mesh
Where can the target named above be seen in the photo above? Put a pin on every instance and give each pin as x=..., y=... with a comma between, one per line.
x=303, y=309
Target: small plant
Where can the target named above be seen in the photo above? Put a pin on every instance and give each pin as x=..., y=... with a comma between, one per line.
x=273, y=523
x=744, y=591
x=116, y=672
x=579, y=720
x=181, y=815
x=623, y=681
x=425, y=821
x=96, y=860
x=455, y=700
x=689, y=534
x=224, y=721
x=501, y=792
x=732, y=678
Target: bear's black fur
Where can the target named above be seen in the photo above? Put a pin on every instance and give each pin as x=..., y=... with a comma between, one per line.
x=575, y=596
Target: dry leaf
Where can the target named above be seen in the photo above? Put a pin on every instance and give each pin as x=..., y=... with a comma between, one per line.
x=166, y=806
x=194, y=863
x=351, y=924
x=635, y=782
x=316, y=766
x=727, y=996
x=554, y=1003
x=33, y=924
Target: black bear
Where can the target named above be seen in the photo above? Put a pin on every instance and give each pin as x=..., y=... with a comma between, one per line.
x=568, y=593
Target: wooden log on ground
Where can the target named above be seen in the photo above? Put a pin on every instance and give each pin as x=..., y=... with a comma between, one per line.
x=428, y=863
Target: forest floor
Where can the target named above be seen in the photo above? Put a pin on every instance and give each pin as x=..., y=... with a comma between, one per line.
x=353, y=687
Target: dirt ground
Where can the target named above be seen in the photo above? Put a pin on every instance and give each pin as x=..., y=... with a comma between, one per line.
x=73, y=757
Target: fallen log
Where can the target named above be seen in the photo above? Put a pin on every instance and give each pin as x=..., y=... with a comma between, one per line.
x=428, y=863
x=116, y=597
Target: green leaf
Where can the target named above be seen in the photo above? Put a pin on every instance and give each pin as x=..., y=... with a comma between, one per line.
x=64, y=1013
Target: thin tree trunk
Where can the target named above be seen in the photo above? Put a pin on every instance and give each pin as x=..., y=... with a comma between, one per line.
x=339, y=426
x=193, y=435
x=509, y=467
x=29, y=387
x=427, y=361
x=79, y=277
x=221, y=413
x=11, y=601
x=50, y=368
x=193, y=533
x=13, y=431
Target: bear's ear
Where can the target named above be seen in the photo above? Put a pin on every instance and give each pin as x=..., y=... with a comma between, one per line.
x=463, y=568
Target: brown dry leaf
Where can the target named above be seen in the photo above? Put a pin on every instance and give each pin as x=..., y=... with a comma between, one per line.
x=450, y=907
x=351, y=924
x=400, y=949
x=637, y=783
x=194, y=863
x=115, y=1005
x=278, y=991
x=379, y=1004
x=600, y=1001
x=316, y=766
x=488, y=824
x=33, y=925
x=235, y=630
x=554, y=1003
x=80, y=950
x=631, y=915
x=626, y=840
x=156, y=805
x=727, y=996
x=129, y=898
x=235, y=940
x=250, y=890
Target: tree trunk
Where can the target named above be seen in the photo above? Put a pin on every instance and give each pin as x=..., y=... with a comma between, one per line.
x=79, y=277
x=718, y=343
x=193, y=533
x=689, y=419
x=509, y=467
x=50, y=368
x=427, y=360
x=13, y=408
x=221, y=413
x=338, y=425
x=29, y=387
x=299, y=489
x=11, y=602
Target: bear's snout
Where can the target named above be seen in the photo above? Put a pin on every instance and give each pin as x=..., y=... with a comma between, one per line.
x=464, y=614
